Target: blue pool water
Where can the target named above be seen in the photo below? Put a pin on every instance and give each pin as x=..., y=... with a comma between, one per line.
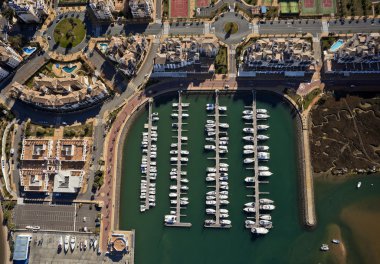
x=103, y=46
x=69, y=69
x=29, y=50
x=336, y=45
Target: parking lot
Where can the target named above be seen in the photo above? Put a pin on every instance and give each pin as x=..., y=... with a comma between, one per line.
x=56, y=217
x=44, y=249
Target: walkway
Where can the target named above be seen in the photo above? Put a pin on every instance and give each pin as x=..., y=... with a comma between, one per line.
x=4, y=163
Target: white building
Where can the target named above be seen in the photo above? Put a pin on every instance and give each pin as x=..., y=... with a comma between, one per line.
x=102, y=9
x=30, y=11
x=141, y=8
x=9, y=56
x=3, y=73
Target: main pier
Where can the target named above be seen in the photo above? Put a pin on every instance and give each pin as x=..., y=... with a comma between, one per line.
x=179, y=165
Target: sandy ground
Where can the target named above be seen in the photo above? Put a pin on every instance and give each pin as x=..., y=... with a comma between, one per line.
x=363, y=222
x=337, y=253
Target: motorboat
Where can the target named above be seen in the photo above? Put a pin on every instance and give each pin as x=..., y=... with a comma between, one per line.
x=249, y=160
x=174, y=152
x=263, y=168
x=184, y=173
x=223, y=215
x=262, y=137
x=223, y=147
x=223, y=187
x=223, y=192
x=209, y=222
x=335, y=241
x=248, y=130
x=223, y=211
x=185, y=104
x=223, y=183
x=184, y=138
x=210, y=211
x=223, y=165
x=223, y=151
x=184, y=180
x=265, y=173
x=174, y=125
x=247, y=117
x=223, y=178
x=173, y=195
x=210, y=125
x=225, y=222
x=248, y=151
x=175, y=104
x=223, y=142
x=261, y=111
x=60, y=243
x=224, y=138
x=95, y=244
x=210, y=202
x=267, y=207
x=209, y=147
x=265, y=201
x=142, y=208
x=209, y=179
x=210, y=197
x=211, y=174
x=262, y=116
x=222, y=108
x=248, y=138
x=248, y=112
x=265, y=223
x=210, y=107
x=183, y=202
x=266, y=217
x=211, y=169
x=184, y=188
x=170, y=219
x=224, y=174
x=249, y=210
x=249, y=223
x=173, y=159
x=224, y=202
x=259, y=230
x=249, y=179
x=210, y=121
x=85, y=244
x=174, y=115
x=324, y=247
x=250, y=204
x=223, y=197
x=211, y=139
x=173, y=145
x=211, y=193
x=184, y=159
x=263, y=155
x=173, y=201
x=224, y=125
x=249, y=147
x=210, y=129
x=223, y=169
x=173, y=187
x=185, y=115
x=359, y=185
x=262, y=127
x=73, y=243
x=155, y=118
x=81, y=246
x=211, y=133
x=173, y=177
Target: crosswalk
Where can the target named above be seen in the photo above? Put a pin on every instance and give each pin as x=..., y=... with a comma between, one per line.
x=207, y=28
x=255, y=29
x=166, y=29
x=325, y=27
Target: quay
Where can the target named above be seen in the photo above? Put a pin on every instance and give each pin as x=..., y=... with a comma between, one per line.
x=178, y=208
x=217, y=167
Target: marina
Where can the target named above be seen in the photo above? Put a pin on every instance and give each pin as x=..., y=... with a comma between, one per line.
x=219, y=173
x=148, y=163
x=179, y=159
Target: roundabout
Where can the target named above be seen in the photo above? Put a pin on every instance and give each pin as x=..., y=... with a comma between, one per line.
x=231, y=28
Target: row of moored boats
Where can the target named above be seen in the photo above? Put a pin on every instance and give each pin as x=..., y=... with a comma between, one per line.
x=71, y=242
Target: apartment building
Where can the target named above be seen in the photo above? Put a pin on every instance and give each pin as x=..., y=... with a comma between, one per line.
x=102, y=10
x=141, y=8
x=30, y=11
x=9, y=56
x=3, y=73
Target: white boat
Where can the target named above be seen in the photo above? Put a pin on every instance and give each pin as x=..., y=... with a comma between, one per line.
x=211, y=174
x=263, y=168
x=223, y=147
x=185, y=115
x=224, y=125
x=265, y=223
x=267, y=207
x=224, y=202
x=249, y=147
x=60, y=243
x=249, y=179
x=210, y=121
x=173, y=177
x=262, y=116
x=185, y=104
x=183, y=202
x=175, y=104
x=173, y=159
x=261, y=111
x=170, y=219
x=173, y=194
x=223, y=142
x=249, y=223
x=184, y=138
x=265, y=201
x=248, y=112
x=184, y=180
x=262, y=127
x=184, y=159
x=223, y=187
x=211, y=193
x=335, y=241
x=142, y=208
x=72, y=243
x=359, y=185
x=173, y=145
x=85, y=245
x=262, y=137
x=173, y=201
x=210, y=107
x=211, y=169
x=209, y=222
x=209, y=147
x=210, y=202
x=223, y=211
x=223, y=151
x=211, y=133
x=174, y=152
x=210, y=211
x=324, y=247
x=247, y=117
x=224, y=197
x=224, y=192
x=248, y=151
x=266, y=217
x=259, y=230
x=210, y=125
x=225, y=222
x=209, y=179
x=249, y=160
x=223, y=165
x=223, y=215
x=95, y=243
x=173, y=187
x=224, y=138
x=211, y=139
x=263, y=155
x=249, y=210
x=248, y=138
x=265, y=173
x=184, y=188
x=174, y=115
x=222, y=108
x=248, y=130
x=223, y=183
x=223, y=178
x=250, y=204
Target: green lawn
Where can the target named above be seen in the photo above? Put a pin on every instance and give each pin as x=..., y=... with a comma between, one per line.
x=231, y=27
x=69, y=32
x=78, y=131
x=221, y=61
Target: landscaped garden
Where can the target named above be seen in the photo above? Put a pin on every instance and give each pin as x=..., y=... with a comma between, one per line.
x=231, y=28
x=69, y=32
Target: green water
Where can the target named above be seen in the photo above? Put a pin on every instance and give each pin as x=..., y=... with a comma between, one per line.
x=287, y=242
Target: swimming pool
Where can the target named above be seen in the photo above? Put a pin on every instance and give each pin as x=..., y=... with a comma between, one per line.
x=29, y=50
x=103, y=47
x=69, y=69
x=336, y=45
